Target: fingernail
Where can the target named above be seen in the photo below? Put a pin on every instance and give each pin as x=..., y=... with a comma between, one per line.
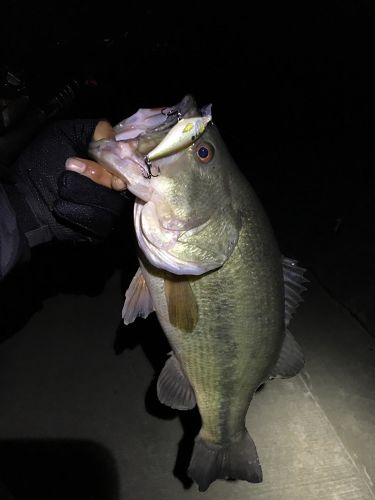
x=75, y=165
x=118, y=184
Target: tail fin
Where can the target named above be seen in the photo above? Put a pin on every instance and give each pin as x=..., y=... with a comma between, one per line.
x=238, y=460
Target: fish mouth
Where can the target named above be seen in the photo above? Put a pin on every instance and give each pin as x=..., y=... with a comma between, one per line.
x=122, y=159
x=125, y=156
x=147, y=122
x=115, y=155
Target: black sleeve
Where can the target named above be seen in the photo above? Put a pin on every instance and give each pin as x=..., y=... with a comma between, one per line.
x=13, y=244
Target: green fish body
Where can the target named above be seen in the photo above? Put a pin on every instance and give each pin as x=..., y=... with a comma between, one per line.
x=211, y=269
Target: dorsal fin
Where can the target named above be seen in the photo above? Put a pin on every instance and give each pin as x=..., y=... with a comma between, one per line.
x=293, y=279
x=291, y=359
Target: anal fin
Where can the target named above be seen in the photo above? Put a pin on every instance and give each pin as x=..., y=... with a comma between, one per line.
x=173, y=388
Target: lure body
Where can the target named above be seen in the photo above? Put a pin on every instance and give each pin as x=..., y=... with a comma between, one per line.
x=183, y=134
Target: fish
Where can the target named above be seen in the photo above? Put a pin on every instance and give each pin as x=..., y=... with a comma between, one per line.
x=211, y=269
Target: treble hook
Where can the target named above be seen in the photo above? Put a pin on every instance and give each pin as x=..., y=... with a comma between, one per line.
x=170, y=112
x=149, y=167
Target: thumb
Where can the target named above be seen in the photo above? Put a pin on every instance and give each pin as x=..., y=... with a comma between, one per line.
x=95, y=172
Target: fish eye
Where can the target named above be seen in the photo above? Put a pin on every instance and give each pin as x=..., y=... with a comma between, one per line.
x=204, y=152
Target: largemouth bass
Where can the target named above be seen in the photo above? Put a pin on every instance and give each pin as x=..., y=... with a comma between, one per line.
x=211, y=269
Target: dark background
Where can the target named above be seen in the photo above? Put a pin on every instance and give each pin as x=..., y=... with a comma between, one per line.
x=292, y=87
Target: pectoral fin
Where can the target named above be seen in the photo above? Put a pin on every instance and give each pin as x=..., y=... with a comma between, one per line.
x=138, y=300
x=173, y=388
x=182, y=305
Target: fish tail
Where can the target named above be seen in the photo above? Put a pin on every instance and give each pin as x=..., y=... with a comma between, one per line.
x=238, y=460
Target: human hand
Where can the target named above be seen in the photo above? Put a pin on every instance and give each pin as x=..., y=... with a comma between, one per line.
x=67, y=196
x=94, y=170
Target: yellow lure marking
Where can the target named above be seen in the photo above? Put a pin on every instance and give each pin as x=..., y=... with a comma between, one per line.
x=187, y=128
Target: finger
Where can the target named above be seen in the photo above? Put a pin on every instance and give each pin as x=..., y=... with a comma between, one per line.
x=103, y=130
x=95, y=172
x=118, y=184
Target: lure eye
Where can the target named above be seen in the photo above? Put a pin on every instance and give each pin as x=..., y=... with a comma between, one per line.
x=204, y=152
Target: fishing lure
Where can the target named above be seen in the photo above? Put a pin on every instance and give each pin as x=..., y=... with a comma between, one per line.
x=183, y=134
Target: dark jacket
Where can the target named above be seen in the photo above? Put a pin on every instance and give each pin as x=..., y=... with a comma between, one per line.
x=13, y=244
